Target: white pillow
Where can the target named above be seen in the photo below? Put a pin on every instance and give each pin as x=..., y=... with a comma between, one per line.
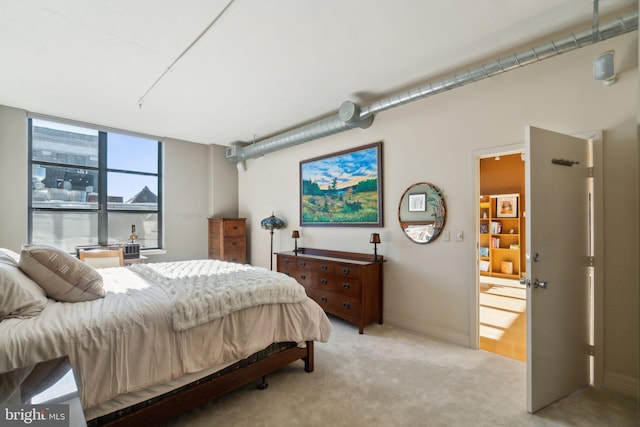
x=7, y=255
x=61, y=275
x=19, y=295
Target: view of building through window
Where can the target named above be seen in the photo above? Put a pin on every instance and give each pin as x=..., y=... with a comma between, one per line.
x=80, y=196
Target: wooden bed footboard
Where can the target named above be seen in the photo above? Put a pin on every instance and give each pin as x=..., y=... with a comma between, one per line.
x=190, y=396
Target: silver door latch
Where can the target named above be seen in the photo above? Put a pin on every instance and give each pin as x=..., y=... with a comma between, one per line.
x=536, y=283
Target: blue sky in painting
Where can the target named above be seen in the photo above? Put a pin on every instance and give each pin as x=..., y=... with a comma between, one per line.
x=349, y=168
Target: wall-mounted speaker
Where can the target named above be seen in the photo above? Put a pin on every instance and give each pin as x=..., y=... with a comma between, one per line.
x=603, y=68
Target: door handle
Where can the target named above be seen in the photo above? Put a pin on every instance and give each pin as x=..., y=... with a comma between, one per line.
x=538, y=284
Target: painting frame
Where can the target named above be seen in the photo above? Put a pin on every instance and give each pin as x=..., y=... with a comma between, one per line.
x=342, y=189
x=507, y=207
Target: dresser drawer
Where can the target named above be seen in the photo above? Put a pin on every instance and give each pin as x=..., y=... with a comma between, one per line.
x=286, y=264
x=347, y=286
x=234, y=228
x=313, y=265
x=235, y=255
x=233, y=244
x=305, y=278
x=304, y=264
x=340, y=305
x=347, y=270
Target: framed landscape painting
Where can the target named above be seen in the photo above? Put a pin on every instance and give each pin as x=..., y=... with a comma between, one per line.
x=342, y=189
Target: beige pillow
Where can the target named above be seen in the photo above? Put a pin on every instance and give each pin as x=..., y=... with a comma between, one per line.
x=19, y=295
x=61, y=275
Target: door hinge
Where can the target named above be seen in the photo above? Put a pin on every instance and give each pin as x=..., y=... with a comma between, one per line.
x=590, y=172
x=591, y=262
x=592, y=350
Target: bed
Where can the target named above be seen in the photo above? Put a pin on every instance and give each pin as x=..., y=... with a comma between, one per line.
x=153, y=340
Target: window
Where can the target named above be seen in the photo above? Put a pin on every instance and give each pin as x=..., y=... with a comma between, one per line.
x=90, y=186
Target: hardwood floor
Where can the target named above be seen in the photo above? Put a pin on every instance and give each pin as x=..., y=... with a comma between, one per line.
x=503, y=318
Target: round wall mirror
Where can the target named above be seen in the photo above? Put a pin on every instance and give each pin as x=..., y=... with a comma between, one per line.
x=421, y=212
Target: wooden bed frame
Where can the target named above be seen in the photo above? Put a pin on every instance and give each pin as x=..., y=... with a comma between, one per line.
x=190, y=396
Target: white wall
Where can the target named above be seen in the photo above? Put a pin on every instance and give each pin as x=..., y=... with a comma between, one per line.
x=199, y=183
x=428, y=288
x=223, y=182
x=13, y=175
x=186, y=200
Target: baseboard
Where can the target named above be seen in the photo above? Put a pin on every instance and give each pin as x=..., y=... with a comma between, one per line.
x=622, y=384
x=433, y=332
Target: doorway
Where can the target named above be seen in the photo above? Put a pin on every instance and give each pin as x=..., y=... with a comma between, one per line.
x=502, y=299
x=561, y=346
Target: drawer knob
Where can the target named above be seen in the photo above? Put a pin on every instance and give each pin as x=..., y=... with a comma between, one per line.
x=286, y=261
x=286, y=272
x=323, y=266
x=234, y=243
x=346, y=285
x=346, y=304
x=302, y=263
x=323, y=281
x=345, y=270
x=324, y=299
x=303, y=277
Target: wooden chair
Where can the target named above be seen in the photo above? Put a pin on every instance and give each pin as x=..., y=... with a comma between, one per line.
x=102, y=258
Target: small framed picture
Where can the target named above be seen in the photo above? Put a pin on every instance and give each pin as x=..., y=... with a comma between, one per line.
x=417, y=202
x=507, y=207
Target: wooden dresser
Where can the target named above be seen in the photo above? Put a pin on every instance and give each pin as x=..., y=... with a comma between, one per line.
x=345, y=284
x=228, y=239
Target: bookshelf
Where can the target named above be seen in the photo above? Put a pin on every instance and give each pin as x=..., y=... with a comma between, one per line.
x=500, y=232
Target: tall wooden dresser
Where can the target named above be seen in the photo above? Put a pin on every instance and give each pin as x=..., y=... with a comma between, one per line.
x=345, y=284
x=228, y=239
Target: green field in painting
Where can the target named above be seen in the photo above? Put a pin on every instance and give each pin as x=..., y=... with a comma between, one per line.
x=346, y=208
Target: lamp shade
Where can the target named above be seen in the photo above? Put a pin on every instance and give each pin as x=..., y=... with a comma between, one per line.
x=295, y=234
x=272, y=223
x=375, y=238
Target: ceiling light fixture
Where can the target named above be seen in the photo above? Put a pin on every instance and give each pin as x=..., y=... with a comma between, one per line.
x=170, y=67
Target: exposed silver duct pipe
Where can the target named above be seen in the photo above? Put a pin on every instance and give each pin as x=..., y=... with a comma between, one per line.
x=349, y=116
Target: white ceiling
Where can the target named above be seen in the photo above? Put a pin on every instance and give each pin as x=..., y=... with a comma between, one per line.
x=263, y=67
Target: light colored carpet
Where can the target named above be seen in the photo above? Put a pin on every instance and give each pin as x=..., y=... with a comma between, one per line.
x=392, y=377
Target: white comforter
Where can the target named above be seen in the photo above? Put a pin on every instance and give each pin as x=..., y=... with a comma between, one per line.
x=204, y=290
x=125, y=342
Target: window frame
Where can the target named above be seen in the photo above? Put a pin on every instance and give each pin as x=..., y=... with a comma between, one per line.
x=102, y=210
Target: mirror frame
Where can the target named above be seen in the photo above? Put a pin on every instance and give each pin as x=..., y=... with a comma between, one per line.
x=433, y=198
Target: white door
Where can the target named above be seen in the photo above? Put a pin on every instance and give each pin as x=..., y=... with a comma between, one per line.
x=557, y=249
